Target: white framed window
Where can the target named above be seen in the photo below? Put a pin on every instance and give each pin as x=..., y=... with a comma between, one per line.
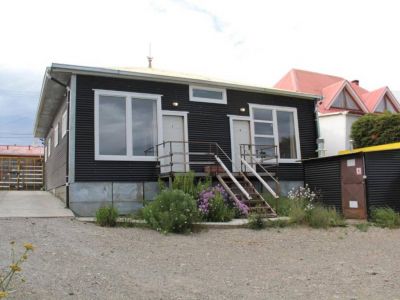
x=207, y=94
x=56, y=136
x=276, y=125
x=49, y=147
x=45, y=153
x=127, y=125
x=64, y=124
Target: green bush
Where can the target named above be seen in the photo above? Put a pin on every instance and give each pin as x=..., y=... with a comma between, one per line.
x=187, y=184
x=376, y=129
x=218, y=211
x=107, y=216
x=322, y=217
x=171, y=211
x=282, y=205
x=385, y=217
x=256, y=221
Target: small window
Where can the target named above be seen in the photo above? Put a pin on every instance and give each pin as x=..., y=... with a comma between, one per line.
x=56, y=136
x=346, y=101
x=49, y=148
x=385, y=105
x=64, y=124
x=207, y=94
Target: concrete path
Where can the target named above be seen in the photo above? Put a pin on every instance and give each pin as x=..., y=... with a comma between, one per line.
x=31, y=204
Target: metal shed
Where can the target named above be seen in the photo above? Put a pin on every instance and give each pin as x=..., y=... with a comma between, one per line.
x=358, y=180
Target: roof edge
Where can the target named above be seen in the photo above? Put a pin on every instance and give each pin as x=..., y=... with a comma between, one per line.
x=131, y=74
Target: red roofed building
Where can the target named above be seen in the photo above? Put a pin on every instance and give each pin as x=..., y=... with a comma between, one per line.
x=342, y=103
x=21, y=167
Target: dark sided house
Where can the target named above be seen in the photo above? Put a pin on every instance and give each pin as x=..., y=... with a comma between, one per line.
x=110, y=134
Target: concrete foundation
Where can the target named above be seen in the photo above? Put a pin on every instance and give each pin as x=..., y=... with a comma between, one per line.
x=85, y=198
x=60, y=193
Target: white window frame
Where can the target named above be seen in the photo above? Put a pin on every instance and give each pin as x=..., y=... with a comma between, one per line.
x=56, y=136
x=45, y=153
x=207, y=100
x=64, y=124
x=128, y=100
x=49, y=147
x=275, y=128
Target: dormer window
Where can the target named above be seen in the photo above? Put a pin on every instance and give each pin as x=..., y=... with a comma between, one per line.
x=385, y=105
x=345, y=101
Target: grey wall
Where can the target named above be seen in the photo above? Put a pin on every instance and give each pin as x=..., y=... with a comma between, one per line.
x=55, y=166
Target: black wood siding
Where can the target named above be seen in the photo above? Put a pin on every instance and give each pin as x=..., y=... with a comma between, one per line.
x=206, y=122
x=383, y=178
x=323, y=175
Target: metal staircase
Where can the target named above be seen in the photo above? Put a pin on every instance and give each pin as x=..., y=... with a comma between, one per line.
x=237, y=184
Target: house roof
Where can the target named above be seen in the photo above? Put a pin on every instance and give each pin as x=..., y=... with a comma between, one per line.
x=329, y=86
x=53, y=93
x=9, y=150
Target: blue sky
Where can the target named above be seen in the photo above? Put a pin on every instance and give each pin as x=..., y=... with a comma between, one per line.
x=255, y=41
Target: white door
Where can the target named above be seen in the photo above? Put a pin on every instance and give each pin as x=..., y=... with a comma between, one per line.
x=174, y=130
x=241, y=135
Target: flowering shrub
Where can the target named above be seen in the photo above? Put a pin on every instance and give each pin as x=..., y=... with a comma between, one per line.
x=304, y=196
x=208, y=195
x=171, y=211
x=13, y=269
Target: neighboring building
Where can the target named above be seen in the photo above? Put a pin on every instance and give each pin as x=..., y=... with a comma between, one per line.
x=108, y=132
x=21, y=167
x=342, y=103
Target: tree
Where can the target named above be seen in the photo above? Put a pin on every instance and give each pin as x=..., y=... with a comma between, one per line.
x=376, y=129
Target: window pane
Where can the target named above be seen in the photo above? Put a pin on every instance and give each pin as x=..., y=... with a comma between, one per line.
x=286, y=134
x=200, y=93
x=265, y=147
x=112, y=125
x=262, y=114
x=350, y=103
x=389, y=106
x=263, y=128
x=339, y=102
x=381, y=107
x=144, y=126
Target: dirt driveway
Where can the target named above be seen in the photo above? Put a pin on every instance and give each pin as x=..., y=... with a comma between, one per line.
x=74, y=260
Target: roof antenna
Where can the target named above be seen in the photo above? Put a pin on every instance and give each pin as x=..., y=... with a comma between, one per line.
x=149, y=57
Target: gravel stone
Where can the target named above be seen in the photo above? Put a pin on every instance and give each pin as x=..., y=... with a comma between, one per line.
x=75, y=260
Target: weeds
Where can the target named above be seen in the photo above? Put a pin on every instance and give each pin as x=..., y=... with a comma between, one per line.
x=107, y=216
x=256, y=221
x=385, y=217
x=363, y=227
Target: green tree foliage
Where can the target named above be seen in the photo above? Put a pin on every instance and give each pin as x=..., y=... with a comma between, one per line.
x=376, y=129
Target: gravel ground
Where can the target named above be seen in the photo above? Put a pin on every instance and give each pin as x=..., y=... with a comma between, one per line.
x=74, y=260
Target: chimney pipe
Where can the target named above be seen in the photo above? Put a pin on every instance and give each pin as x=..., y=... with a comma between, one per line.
x=356, y=81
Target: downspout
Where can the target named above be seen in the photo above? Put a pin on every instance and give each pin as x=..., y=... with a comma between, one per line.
x=319, y=139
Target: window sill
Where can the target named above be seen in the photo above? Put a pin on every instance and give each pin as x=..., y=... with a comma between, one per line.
x=124, y=158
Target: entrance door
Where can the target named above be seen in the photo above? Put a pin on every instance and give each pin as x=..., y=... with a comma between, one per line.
x=174, y=130
x=241, y=135
x=353, y=188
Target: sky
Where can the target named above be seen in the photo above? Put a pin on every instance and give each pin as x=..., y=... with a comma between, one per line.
x=254, y=42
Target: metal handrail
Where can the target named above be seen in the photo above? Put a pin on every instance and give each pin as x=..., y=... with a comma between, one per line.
x=255, y=160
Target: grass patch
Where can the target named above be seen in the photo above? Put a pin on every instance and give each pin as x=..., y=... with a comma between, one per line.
x=324, y=217
x=107, y=216
x=256, y=221
x=385, y=217
x=363, y=227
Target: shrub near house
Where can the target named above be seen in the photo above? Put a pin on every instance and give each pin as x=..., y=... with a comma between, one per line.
x=376, y=129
